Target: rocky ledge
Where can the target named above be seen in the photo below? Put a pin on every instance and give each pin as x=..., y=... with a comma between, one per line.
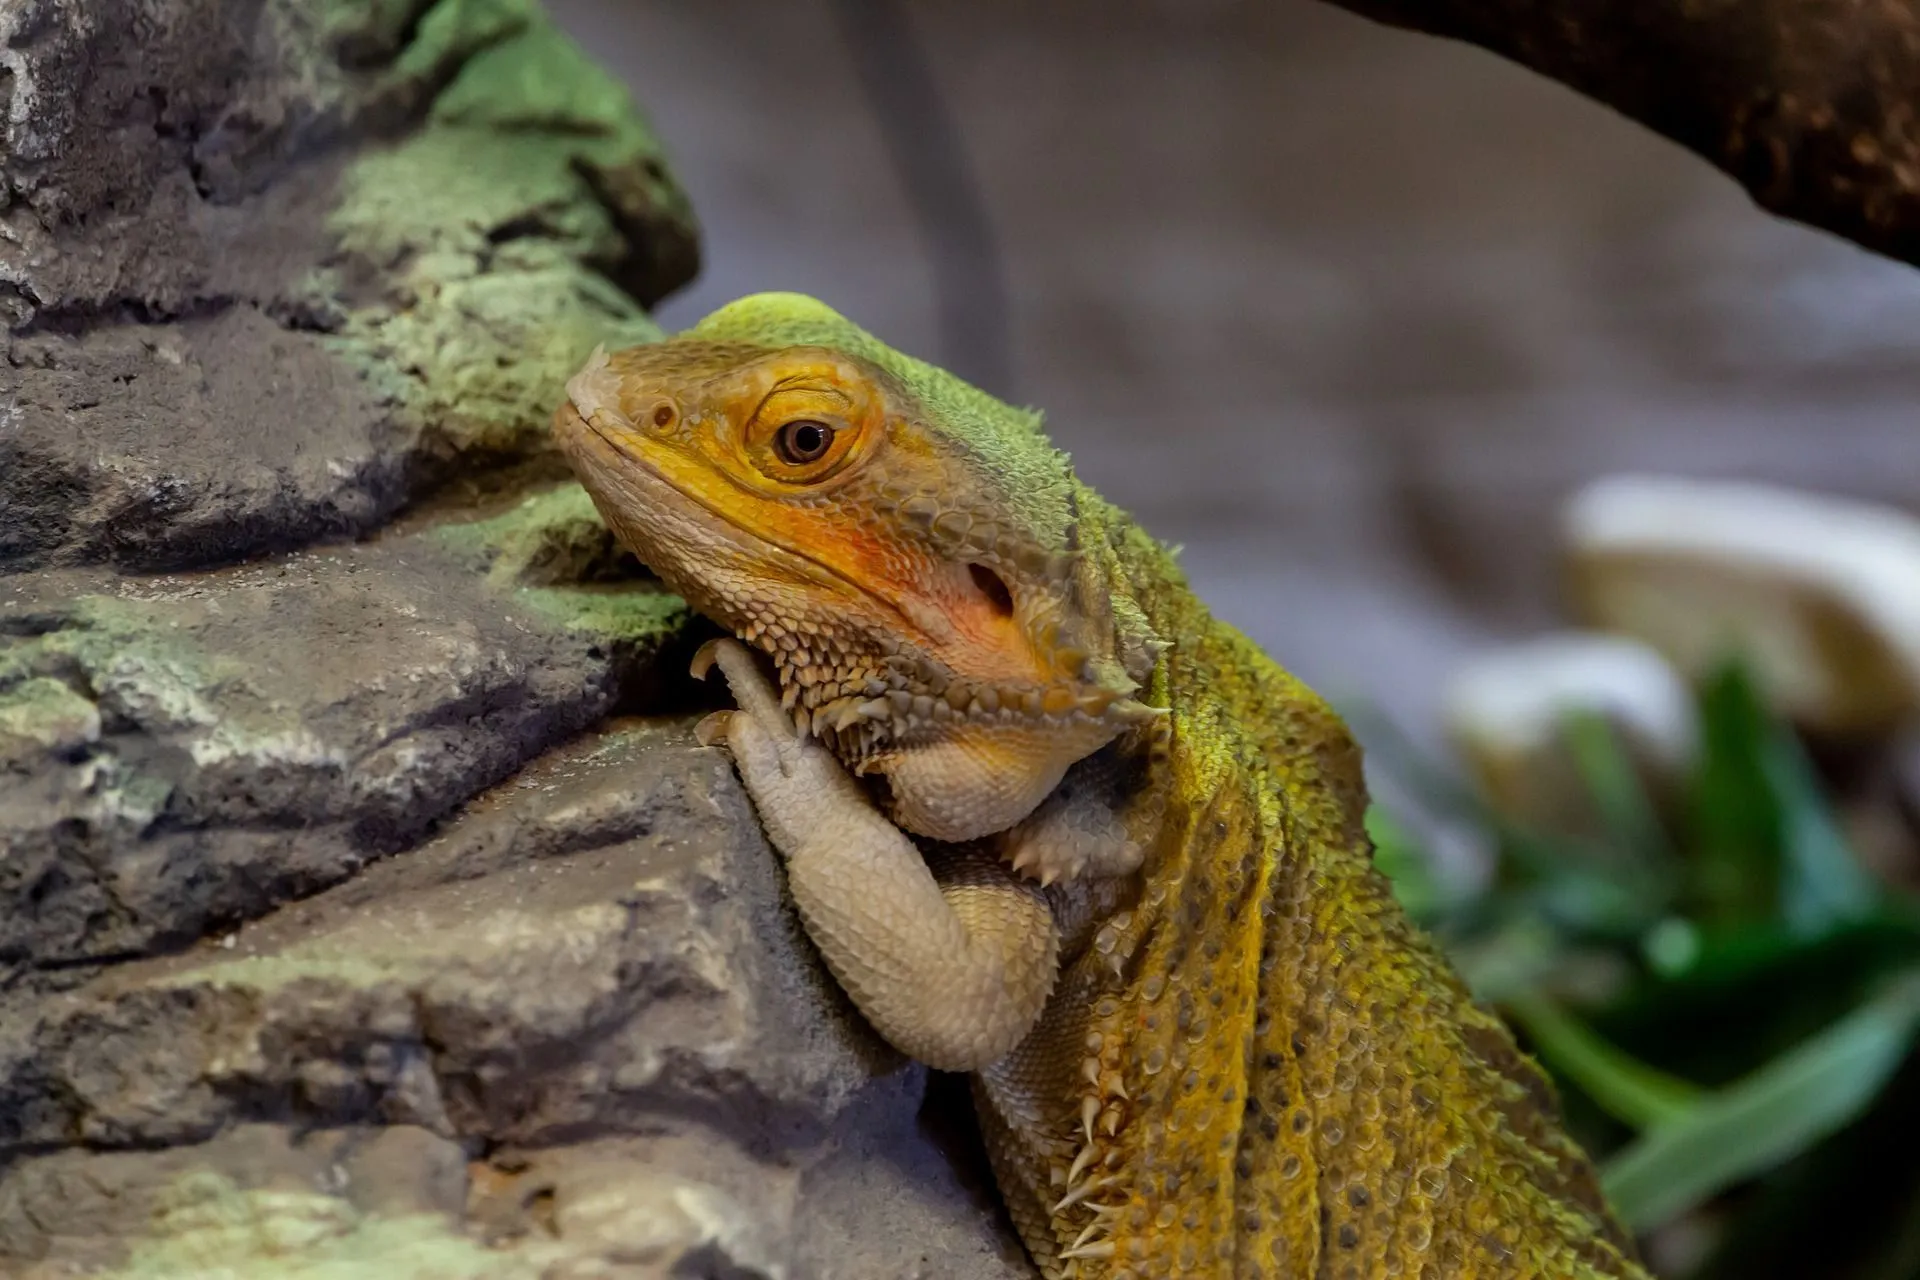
x=366, y=906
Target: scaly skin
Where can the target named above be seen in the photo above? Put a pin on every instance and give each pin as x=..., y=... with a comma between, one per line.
x=1052, y=823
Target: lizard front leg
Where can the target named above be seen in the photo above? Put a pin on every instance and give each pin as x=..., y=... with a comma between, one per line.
x=951, y=956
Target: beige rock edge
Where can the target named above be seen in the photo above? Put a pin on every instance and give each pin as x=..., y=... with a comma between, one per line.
x=1816, y=593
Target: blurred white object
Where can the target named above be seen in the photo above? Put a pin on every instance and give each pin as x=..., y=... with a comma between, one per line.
x=1819, y=595
x=1507, y=713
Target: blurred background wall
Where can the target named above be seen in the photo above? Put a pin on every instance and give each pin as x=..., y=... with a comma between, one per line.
x=1345, y=311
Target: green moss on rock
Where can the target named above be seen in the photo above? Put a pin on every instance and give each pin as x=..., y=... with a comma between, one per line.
x=550, y=538
x=634, y=617
x=41, y=716
x=209, y=1227
x=559, y=559
x=450, y=32
x=528, y=220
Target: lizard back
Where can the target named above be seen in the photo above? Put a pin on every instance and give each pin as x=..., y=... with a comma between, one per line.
x=1288, y=1080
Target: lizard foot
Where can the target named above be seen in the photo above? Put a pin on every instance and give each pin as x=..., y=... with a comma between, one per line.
x=790, y=775
x=948, y=955
x=748, y=684
x=1077, y=832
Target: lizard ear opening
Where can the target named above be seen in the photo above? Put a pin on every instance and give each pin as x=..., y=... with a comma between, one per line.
x=994, y=588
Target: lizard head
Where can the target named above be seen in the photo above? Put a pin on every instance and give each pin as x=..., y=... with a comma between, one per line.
x=904, y=547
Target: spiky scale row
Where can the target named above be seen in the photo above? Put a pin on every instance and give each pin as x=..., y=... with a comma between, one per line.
x=1093, y=1187
x=864, y=708
x=961, y=533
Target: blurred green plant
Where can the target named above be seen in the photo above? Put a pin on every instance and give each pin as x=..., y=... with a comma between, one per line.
x=1725, y=996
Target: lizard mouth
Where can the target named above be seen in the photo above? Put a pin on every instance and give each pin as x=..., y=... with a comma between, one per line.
x=625, y=453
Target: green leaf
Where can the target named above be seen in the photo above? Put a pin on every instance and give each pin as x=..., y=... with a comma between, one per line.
x=1625, y=1088
x=1770, y=1116
x=1513, y=954
x=1822, y=884
x=1591, y=904
x=1734, y=824
x=1875, y=945
x=1406, y=865
x=1744, y=996
x=1576, y=883
x=1627, y=812
x=1671, y=947
x=1767, y=844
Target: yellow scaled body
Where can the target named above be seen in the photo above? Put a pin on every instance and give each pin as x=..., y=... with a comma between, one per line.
x=1052, y=823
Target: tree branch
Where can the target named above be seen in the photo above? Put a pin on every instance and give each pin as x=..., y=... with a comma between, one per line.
x=1812, y=105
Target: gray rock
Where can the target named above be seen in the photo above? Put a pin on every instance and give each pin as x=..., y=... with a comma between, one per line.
x=587, y=984
x=271, y=271
x=200, y=747
x=353, y=920
x=91, y=1209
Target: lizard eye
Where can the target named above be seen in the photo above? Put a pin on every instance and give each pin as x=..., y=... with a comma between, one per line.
x=801, y=435
x=802, y=441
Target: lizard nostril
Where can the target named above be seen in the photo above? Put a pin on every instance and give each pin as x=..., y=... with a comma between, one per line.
x=663, y=415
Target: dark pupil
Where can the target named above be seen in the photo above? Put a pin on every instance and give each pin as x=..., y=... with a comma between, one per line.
x=804, y=441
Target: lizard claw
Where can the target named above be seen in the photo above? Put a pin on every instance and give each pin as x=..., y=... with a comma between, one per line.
x=752, y=691
x=705, y=656
x=712, y=729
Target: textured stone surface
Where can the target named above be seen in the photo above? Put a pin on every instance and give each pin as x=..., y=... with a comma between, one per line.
x=271, y=270
x=199, y=746
x=577, y=1026
x=366, y=907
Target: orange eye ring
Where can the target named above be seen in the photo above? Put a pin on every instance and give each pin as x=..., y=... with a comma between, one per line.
x=808, y=428
x=806, y=450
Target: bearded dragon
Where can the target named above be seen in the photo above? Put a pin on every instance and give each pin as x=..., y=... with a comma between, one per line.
x=1050, y=822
